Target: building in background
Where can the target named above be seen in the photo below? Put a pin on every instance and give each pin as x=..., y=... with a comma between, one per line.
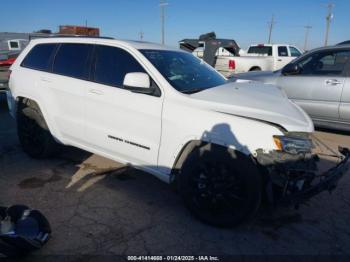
x=11, y=44
x=78, y=30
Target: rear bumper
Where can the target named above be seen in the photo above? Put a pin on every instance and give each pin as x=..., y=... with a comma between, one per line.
x=293, y=181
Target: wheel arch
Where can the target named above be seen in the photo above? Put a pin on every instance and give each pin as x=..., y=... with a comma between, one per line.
x=20, y=98
x=211, y=168
x=187, y=149
x=255, y=68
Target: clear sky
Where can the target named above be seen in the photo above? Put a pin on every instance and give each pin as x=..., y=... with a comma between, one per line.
x=244, y=21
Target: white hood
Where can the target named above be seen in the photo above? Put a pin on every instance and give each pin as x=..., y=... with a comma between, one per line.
x=258, y=101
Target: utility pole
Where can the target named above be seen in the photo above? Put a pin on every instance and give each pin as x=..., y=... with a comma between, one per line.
x=307, y=30
x=271, y=24
x=162, y=19
x=329, y=19
x=141, y=35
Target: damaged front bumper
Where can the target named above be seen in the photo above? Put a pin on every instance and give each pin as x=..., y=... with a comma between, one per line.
x=293, y=179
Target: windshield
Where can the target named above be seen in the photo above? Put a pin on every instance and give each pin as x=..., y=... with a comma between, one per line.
x=261, y=50
x=184, y=72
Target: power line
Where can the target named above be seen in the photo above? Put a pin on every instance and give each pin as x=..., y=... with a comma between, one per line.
x=307, y=30
x=271, y=25
x=329, y=19
x=141, y=35
x=162, y=5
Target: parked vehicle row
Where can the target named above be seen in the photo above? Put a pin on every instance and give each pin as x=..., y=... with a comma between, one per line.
x=227, y=57
x=10, y=49
x=262, y=57
x=319, y=82
x=225, y=145
x=7, y=59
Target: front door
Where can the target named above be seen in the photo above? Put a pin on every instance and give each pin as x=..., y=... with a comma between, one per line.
x=318, y=87
x=65, y=89
x=120, y=123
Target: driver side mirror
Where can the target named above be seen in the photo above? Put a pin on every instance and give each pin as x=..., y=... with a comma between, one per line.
x=291, y=69
x=138, y=82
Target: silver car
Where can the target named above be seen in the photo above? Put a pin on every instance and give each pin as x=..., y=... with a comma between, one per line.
x=318, y=81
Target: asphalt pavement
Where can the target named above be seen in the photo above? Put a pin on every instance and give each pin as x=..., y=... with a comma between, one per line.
x=99, y=207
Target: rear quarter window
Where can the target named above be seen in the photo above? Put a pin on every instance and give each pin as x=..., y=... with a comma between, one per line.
x=39, y=57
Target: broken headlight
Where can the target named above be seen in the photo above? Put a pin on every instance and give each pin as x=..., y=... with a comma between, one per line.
x=293, y=145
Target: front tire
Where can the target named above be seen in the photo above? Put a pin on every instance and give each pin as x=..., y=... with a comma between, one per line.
x=221, y=187
x=33, y=132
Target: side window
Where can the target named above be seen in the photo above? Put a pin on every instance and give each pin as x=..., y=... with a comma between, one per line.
x=294, y=52
x=39, y=57
x=326, y=63
x=112, y=64
x=14, y=45
x=282, y=51
x=73, y=60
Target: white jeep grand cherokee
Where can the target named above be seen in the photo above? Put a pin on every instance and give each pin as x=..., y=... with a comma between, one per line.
x=226, y=145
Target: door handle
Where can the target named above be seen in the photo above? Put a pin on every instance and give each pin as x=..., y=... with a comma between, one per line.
x=96, y=92
x=279, y=60
x=44, y=79
x=333, y=82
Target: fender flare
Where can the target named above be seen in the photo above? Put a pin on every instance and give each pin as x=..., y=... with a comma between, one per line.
x=187, y=149
x=18, y=98
x=31, y=112
x=184, y=152
x=255, y=67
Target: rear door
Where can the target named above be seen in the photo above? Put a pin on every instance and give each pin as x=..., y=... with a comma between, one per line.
x=319, y=85
x=120, y=123
x=35, y=67
x=66, y=88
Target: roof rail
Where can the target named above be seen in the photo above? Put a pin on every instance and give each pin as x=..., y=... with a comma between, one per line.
x=39, y=35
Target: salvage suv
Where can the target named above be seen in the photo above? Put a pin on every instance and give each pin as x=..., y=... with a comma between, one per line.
x=226, y=146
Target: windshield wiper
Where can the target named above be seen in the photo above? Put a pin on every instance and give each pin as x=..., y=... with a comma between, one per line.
x=192, y=91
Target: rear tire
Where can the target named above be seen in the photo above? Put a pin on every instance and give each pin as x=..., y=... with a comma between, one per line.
x=220, y=187
x=33, y=132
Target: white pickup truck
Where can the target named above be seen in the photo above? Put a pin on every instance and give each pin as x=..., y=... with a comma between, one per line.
x=262, y=57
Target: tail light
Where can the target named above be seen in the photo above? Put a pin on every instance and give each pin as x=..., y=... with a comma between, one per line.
x=232, y=64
